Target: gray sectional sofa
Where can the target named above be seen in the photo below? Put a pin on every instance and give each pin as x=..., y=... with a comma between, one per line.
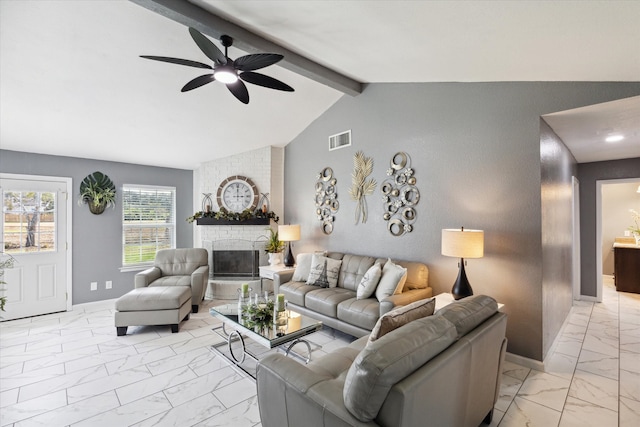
x=338, y=306
x=440, y=370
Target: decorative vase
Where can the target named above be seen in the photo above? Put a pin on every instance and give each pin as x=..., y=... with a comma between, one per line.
x=637, y=236
x=243, y=300
x=275, y=258
x=280, y=317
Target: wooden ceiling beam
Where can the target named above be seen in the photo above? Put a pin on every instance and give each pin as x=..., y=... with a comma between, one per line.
x=214, y=26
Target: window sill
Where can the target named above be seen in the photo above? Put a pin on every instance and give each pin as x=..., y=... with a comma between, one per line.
x=137, y=267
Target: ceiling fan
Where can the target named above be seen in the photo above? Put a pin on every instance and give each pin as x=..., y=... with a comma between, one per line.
x=226, y=70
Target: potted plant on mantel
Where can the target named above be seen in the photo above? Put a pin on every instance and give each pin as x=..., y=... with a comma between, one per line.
x=274, y=247
x=98, y=191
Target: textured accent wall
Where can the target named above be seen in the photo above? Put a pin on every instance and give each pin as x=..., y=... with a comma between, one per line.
x=557, y=166
x=97, y=239
x=475, y=148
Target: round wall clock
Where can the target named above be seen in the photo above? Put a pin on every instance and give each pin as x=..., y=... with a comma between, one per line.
x=237, y=193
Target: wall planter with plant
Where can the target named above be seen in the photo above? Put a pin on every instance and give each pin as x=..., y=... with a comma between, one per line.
x=98, y=191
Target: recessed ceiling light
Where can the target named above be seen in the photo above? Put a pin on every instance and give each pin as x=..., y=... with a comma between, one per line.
x=614, y=138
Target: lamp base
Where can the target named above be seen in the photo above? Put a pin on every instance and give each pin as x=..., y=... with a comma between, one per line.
x=289, y=260
x=461, y=288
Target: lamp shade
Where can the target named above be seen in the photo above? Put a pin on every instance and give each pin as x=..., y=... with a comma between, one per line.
x=463, y=243
x=289, y=233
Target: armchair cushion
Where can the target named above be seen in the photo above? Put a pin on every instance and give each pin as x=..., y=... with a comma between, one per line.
x=178, y=267
x=475, y=310
x=391, y=358
x=180, y=262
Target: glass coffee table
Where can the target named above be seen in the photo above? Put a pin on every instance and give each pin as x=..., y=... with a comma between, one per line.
x=298, y=326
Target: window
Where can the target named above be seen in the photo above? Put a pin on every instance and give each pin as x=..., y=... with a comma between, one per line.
x=148, y=223
x=29, y=221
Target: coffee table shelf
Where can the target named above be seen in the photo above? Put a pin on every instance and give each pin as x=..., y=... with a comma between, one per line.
x=298, y=327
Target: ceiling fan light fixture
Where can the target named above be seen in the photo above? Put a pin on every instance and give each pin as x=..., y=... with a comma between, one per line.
x=225, y=74
x=614, y=138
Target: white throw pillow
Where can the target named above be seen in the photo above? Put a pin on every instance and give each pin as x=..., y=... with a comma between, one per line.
x=303, y=267
x=324, y=271
x=392, y=280
x=369, y=281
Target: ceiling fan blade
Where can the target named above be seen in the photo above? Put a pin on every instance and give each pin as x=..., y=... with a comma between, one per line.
x=207, y=47
x=178, y=61
x=266, y=81
x=256, y=61
x=197, y=82
x=239, y=90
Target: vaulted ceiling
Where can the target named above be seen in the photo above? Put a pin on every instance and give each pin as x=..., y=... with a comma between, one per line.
x=72, y=82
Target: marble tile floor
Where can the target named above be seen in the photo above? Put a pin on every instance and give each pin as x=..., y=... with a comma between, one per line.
x=592, y=377
x=70, y=369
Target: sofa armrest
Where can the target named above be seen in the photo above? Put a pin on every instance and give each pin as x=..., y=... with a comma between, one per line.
x=199, y=280
x=144, y=278
x=280, y=278
x=290, y=395
x=407, y=297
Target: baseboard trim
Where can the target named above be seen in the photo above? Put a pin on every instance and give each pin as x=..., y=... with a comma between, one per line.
x=524, y=361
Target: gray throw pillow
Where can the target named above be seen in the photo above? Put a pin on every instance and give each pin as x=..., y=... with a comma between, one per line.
x=392, y=280
x=401, y=316
x=303, y=267
x=324, y=271
x=369, y=281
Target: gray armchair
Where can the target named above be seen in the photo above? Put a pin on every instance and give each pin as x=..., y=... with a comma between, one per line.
x=178, y=267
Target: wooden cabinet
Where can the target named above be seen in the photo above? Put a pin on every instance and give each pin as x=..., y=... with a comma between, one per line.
x=627, y=268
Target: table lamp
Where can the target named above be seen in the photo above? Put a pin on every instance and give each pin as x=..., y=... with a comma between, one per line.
x=462, y=244
x=289, y=233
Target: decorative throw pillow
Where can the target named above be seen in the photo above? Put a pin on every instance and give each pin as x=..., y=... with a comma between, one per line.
x=369, y=281
x=393, y=278
x=303, y=267
x=324, y=271
x=401, y=316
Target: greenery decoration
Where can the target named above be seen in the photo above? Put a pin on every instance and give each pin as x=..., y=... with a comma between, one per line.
x=274, y=244
x=360, y=185
x=234, y=216
x=4, y=264
x=98, y=191
x=258, y=315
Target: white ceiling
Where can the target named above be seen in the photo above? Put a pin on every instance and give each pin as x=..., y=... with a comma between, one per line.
x=72, y=82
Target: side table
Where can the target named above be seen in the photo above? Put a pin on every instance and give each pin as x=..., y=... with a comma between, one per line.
x=268, y=271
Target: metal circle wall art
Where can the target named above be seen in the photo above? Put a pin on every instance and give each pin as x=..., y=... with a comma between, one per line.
x=400, y=195
x=326, y=199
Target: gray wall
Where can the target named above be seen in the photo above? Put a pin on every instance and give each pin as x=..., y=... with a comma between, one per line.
x=97, y=239
x=475, y=148
x=588, y=174
x=557, y=166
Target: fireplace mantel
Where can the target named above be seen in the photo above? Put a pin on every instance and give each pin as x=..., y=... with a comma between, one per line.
x=214, y=221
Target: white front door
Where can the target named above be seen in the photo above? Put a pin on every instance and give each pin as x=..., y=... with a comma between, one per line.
x=35, y=226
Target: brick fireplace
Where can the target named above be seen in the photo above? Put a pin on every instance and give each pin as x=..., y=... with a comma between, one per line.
x=265, y=167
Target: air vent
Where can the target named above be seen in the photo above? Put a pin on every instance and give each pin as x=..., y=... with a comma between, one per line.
x=340, y=140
